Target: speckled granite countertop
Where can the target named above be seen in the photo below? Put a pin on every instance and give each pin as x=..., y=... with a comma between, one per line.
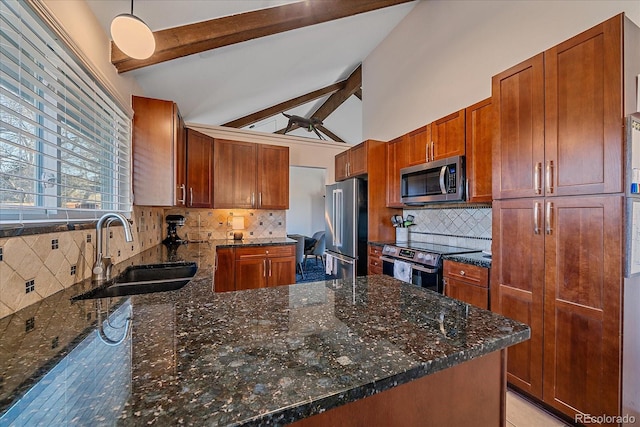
x=474, y=258
x=257, y=357
x=253, y=242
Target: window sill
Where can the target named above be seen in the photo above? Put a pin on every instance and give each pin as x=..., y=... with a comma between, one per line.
x=45, y=228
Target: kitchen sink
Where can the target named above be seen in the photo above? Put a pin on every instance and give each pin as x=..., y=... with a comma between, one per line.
x=144, y=279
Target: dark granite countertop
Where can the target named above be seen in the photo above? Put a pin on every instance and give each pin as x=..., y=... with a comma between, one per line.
x=253, y=242
x=479, y=259
x=257, y=357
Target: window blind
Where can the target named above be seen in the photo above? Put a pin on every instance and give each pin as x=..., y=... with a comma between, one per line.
x=65, y=144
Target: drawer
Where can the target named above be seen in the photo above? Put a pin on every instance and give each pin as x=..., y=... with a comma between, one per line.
x=266, y=251
x=467, y=272
x=375, y=262
x=375, y=251
x=375, y=269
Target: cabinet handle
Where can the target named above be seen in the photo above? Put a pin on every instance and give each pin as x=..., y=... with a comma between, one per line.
x=466, y=190
x=426, y=151
x=216, y=262
x=264, y=265
x=253, y=199
x=433, y=151
x=462, y=273
x=269, y=268
x=536, y=218
x=548, y=217
x=183, y=188
x=537, y=177
x=190, y=196
x=260, y=199
x=549, y=177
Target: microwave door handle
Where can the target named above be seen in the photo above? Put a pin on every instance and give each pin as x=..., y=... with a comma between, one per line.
x=443, y=172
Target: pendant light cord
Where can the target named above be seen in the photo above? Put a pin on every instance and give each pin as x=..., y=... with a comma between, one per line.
x=132, y=7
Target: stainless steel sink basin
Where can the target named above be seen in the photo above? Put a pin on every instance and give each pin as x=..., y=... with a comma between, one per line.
x=144, y=279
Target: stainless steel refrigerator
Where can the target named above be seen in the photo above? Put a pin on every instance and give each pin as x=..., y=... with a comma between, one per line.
x=346, y=229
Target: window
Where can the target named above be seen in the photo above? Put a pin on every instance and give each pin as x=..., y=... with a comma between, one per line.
x=65, y=150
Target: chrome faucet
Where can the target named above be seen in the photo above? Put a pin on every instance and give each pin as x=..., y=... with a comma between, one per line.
x=102, y=266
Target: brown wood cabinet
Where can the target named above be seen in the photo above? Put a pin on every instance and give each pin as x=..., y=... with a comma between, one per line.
x=250, y=176
x=556, y=266
x=417, y=143
x=479, y=122
x=557, y=258
x=397, y=158
x=158, y=145
x=468, y=283
x=199, y=165
x=262, y=266
x=254, y=267
x=448, y=136
x=224, y=278
x=352, y=162
x=273, y=177
x=561, y=112
x=375, y=260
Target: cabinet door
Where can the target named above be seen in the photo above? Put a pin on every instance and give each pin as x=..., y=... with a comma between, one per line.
x=153, y=146
x=517, y=284
x=418, y=142
x=582, y=304
x=584, y=113
x=224, y=278
x=199, y=172
x=375, y=261
x=466, y=292
x=235, y=174
x=448, y=136
x=518, y=152
x=342, y=163
x=251, y=273
x=479, y=133
x=180, y=159
x=358, y=159
x=273, y=177
x=397, y=158
x=282, y=271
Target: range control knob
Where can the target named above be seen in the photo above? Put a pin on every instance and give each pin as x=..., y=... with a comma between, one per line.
x=420, y=256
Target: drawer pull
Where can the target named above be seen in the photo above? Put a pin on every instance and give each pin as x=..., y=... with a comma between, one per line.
x=462, y=272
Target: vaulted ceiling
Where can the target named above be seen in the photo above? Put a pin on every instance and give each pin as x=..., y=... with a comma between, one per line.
x=243, y=63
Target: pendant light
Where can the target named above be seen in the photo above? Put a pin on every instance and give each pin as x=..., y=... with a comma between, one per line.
x=132, y=36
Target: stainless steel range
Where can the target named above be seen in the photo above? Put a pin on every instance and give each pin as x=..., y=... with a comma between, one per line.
x=418, y=263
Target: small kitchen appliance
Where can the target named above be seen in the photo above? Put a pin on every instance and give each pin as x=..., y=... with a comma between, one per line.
x=173, y=222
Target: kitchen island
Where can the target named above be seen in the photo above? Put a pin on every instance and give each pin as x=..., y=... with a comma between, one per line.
x=269, y=356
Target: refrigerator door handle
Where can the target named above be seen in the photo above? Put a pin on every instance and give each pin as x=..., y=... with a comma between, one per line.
x=337, y=217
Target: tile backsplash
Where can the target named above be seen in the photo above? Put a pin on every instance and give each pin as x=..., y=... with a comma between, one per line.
x=213, y=224
x=34, y=267
x=468, y=227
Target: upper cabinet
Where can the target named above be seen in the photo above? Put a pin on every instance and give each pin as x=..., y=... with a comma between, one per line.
x=352, y=162
x=479, y=122
x=447, y=137
x=250, y=176
x=199, y=166
x=159, y=175
x=415, y=146
x=560, y=112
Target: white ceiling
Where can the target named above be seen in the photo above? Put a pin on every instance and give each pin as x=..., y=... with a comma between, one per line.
x=221, y=85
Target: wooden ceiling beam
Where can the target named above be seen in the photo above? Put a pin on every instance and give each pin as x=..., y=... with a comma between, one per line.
x=284, y=106
x=352, y=85
x=330, y=134
x=177, y=42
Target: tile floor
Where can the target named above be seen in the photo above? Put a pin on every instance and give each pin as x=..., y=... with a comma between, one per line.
x=522, y=413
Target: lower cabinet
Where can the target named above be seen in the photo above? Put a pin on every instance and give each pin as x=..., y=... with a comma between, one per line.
x=466, y=282
x=375, y=260
x=557, y=267
x=254, y=267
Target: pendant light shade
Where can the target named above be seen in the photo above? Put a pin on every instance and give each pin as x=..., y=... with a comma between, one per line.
x=132, y=36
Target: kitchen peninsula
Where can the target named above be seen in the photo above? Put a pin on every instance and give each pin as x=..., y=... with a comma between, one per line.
x=311, y=354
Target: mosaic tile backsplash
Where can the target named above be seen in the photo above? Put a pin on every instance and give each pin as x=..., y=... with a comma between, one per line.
x=464, y=227
x=34, y=267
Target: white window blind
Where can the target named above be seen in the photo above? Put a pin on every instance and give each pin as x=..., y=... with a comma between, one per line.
x=65, y=145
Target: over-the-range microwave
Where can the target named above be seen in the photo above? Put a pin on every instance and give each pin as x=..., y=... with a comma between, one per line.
x=438, y=181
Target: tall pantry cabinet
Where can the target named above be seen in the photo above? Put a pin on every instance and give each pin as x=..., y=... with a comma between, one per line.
x=558, y=218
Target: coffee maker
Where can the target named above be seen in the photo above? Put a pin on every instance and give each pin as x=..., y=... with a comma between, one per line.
x=173, y=221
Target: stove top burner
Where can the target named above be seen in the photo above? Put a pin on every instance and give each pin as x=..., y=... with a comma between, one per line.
x=422, y=253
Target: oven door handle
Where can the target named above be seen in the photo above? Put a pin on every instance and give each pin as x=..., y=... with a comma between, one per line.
x=413, y=266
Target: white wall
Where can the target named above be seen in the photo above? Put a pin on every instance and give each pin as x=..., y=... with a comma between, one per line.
x=442, y=56
x=77, y=20
x=306, y=200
